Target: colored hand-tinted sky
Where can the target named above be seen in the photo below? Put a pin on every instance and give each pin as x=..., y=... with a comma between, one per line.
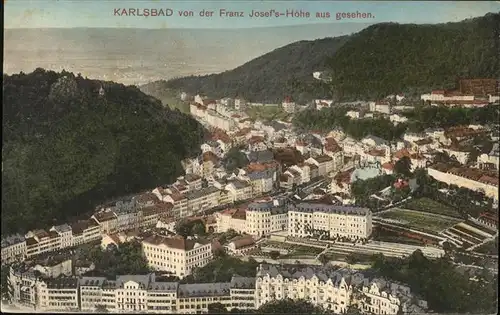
x=101, y=13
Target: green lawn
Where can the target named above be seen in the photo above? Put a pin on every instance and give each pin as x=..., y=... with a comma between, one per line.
x=429, y=205
x=420, y=220
x=267, y=113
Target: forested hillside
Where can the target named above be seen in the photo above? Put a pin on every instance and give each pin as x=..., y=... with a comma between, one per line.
x=67, y=148
x=284, y=71
x=389, y=58
x=382, y=59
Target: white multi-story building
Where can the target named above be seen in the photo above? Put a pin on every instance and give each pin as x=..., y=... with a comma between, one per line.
x=353, y=114
x=231, y=219
x=40, y=241
x=473, y=179
x=59, y=294
x=176, y=255
x=334, y=290
x=24, y=286
x=309, y=219
x=13, y=249
x=439, y=96
x=65, y=233
x=266, y=216
x=381, y=107
x=492, y=158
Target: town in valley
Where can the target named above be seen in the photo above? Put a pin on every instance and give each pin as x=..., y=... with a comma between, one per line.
x=384, y=205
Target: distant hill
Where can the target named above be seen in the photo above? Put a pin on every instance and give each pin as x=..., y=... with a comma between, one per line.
x=382, y=59
x=283, y=71
x=67, y=148
x=390, y=58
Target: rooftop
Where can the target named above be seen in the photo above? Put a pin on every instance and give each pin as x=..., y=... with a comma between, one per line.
x=201, y=192
x=318, y=207
x=62, y=283
x=12, y=240
x=204, y=289
x=177, y=242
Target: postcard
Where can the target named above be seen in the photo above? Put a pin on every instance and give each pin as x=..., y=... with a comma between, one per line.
x=302, y=157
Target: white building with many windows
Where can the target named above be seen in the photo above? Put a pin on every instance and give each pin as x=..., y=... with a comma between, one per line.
x=314, y=219
x=13, y=248
x=334, y=290
x=266, y=216
x=176, y=255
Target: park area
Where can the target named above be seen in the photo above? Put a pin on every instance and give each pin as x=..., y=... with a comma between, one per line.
x=431, y=206
x=294, y=251
x=267, y=113
x=418, y=220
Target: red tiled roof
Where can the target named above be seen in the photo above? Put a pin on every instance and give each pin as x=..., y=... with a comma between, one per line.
x=239, y=214
x=208, y=102
x=331, y=145
x=243, y=242
x=402, y=153
x=177, y=196
x=256, y=139
x=177, y=242
x=388, y=166
x=146, y=197
x=375, y=152
x=105, y=216
x=323, y=158
x=242, y=132
x=258, y=167
x=219, y=134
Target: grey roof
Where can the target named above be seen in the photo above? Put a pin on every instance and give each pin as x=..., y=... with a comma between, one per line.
x=201, y=192
x=204, y=289
x=191, y=177
x=378, y=140
x=308, y=272
x=239, y=184
x=260, y=156
x=63, y=228
x=238, y=282
x=313, y=207
x=212, y=143
x=275, y=206
x=92, y=281
x=12, y=240
x=163, y=286
x=62, y=283
x=267, y=173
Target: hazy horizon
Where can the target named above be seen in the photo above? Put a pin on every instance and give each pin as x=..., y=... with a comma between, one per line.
x=138, y=56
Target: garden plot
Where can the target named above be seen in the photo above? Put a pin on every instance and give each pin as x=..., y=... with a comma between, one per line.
x=431, y=206
x=418, y=220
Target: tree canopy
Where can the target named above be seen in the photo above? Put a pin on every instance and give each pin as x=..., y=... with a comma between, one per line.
x=127, y=259
x=382, y=59
x=327, y=119
x=66, y=148
x=390, y=58
x=286, y=71
x=445, y=289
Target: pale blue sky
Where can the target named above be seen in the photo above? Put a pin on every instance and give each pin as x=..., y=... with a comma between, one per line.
x=95, y=13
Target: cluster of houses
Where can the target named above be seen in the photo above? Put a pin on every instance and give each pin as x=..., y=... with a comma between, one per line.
x=471, y=93
x=335, y=290
x=271, y=159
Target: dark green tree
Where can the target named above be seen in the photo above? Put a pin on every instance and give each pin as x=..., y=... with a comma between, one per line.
x=403, y=166
x=216, y=308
